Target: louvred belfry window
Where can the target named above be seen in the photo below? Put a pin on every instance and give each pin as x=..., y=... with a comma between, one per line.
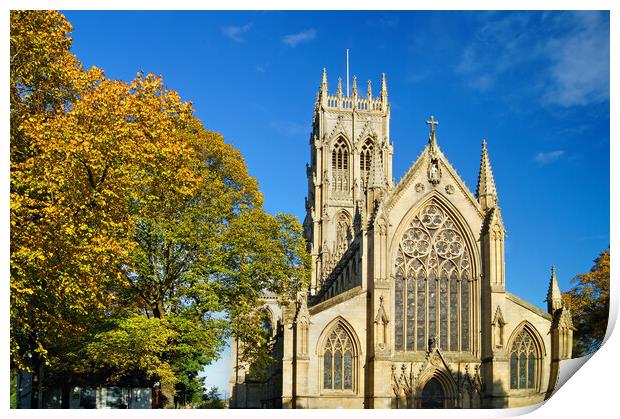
x=433, y=286
x=366, y=159
x=340, y=166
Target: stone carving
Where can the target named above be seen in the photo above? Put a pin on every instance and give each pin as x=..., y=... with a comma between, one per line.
x=434, y=172
x=419, y=187
x=381, y=322
x=449, y=189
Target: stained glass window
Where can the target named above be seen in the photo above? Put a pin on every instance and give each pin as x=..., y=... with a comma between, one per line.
x=464, y=313
x=348, y=370
x=338, y=360
x=524, y=361
x=443, y=311
x=421, y=343
x=432, y=305
x=454, y=307
x=433, y=262
x=327, y=369
x=398, y=298
x=410, y=314
x=530, y=370
x=338, y=370
x=514, y=367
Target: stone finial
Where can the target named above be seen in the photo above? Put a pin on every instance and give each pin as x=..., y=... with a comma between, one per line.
x=486, y=192
x=369, y=90
x=324, y=81
x=554, y=295
x=354, y=90
x=339, y=87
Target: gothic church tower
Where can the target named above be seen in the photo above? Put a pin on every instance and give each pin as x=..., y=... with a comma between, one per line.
x=350, y=140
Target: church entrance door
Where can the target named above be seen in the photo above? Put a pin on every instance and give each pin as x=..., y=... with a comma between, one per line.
x=433, y=395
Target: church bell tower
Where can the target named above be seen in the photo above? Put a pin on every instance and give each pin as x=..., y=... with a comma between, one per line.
x=350, y=140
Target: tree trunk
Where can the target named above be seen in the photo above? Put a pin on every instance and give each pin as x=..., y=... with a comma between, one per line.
x=66, y=395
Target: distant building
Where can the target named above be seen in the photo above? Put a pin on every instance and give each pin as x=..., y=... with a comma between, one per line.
x=407, y=307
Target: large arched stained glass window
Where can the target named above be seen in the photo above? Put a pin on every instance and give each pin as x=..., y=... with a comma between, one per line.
x=338, y=358
x=432, y=289
x=524, y=362
x=340, y=166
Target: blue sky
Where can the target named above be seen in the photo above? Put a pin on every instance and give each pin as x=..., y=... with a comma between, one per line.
x=534, y=84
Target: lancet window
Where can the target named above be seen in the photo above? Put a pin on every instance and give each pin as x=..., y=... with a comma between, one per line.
x=433, y=284
x=338, y=360
x=524, y=361
x=340, y=166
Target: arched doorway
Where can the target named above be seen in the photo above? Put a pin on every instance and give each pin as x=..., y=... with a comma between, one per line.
x=433, y=395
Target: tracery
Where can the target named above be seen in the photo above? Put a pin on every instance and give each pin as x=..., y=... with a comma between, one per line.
x=338, y=354
x=524, y=360
x=432, y=290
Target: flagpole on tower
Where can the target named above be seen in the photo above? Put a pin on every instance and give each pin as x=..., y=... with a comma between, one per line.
x=347, y=72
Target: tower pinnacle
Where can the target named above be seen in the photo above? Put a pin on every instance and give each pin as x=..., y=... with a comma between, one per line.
x=554, y=296
x=323, y=90
x=384, y=92
x=339, y=87
x=486, y=192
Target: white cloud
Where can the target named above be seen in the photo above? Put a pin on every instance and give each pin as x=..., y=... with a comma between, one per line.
x=292, y=40
x=580, y=64
x=549, y=156
x=235, y=32
x=570, y=49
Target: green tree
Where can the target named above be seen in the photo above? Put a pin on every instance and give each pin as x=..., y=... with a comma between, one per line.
x=588, y=301
x=206, y=252
x=212, y=399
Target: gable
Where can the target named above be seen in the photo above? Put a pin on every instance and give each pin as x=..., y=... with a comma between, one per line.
x=415, y=190
x=450, y=183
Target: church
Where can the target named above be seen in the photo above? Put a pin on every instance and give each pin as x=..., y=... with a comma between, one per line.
x=407, y=306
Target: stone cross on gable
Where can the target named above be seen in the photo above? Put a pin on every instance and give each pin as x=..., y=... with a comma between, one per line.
x=432, y=122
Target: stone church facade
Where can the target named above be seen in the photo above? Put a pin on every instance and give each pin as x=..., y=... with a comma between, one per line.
x=407, y=306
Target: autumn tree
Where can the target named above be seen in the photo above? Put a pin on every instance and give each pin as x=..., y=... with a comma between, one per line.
x=70, y=186
x=138, y=239
x=588, y=301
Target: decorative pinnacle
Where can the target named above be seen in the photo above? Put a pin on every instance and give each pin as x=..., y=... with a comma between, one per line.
x=369, y=90
x=432, y=139
x=554, y=295
x=339, y=86
x=354, y=86
x=383, y=85
x=486, y=192
x=324, y=82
